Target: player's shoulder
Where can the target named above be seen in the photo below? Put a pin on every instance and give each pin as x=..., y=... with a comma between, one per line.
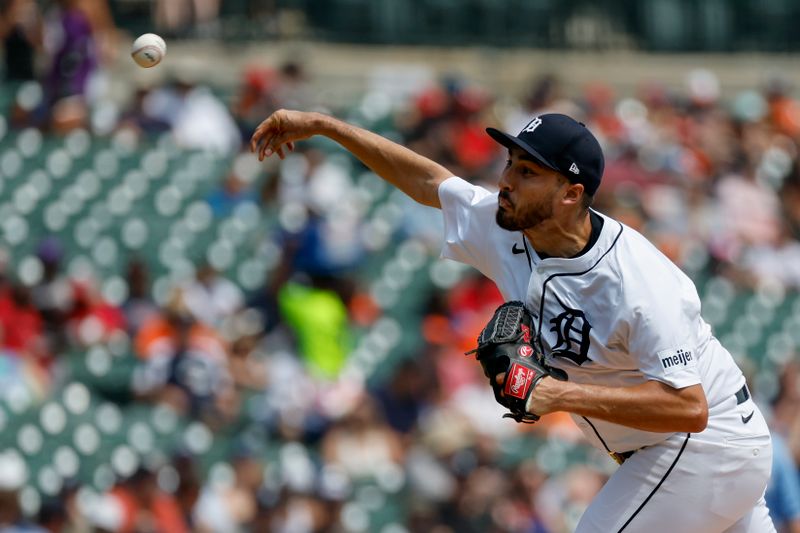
x=644, y=271
x=631, y=247
x=460, y=191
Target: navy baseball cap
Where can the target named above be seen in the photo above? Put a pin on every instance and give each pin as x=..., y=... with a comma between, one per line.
x=560, y=143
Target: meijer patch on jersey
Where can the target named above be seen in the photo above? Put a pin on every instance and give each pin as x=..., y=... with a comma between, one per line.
x=676, y=359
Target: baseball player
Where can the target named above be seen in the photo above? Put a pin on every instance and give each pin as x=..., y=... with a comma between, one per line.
x=646, y=381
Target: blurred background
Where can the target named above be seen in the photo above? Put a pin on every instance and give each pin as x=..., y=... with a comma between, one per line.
x=191, y=340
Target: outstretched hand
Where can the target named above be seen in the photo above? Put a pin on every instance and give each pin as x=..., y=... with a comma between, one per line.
x=278, y=132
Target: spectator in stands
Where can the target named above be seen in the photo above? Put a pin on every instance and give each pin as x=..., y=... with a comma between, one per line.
x=13, y=474
x=52, y=296
x=247, y=368
x=447, y=125
x=91, y=319
x=406, y=394
x=563, y=498
x=140, y=119
x=362, y=443
x=211, y=298
x=783, y=492
x=785, y=418
x=187, y=17
x=317, y=314
x=234, y=191
x=227, y=507
x=187, y=493
x=772, y=263
x=82, y=36
x=139, y=307
x=256, y=98
x=185, y=365
x=197, y=118
x=293, y=89
x=21, y=33
x=545, y=94
x=146, y=507
x=20, y=322
x=784, y=110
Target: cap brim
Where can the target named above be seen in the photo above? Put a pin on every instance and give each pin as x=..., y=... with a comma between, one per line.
x=509, y=140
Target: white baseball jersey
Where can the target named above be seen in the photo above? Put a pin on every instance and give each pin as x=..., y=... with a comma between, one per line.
x=620, y=314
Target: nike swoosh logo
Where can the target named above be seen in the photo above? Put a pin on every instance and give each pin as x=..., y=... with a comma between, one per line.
x=515, y=250
x=746, y=419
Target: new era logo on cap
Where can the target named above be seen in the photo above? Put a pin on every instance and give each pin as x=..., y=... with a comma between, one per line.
x=560, y=143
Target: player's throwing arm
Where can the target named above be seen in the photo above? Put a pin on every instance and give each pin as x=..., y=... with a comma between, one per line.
x=415, y=175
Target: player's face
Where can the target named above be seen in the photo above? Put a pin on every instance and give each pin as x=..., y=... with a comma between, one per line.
x=528, y=192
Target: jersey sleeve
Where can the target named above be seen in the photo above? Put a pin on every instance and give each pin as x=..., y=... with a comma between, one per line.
x=661, y=332
x=469, y=225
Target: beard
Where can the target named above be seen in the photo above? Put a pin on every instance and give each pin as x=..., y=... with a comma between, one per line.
x=525, y=217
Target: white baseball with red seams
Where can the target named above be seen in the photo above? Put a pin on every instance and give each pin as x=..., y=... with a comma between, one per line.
x=148, y=50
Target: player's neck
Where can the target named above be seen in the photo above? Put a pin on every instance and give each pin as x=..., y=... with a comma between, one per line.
x=561, y=237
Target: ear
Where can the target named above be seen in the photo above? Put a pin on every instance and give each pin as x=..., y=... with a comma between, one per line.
x=573, y=193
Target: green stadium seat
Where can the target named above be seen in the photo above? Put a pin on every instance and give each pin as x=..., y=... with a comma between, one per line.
x=66, y=462
x=59, y=163
x=52, y=418
x=106, y=164
x=29, y=142
x=78, y=143
x=134, y=233
x=41, y=182
x=11, y=164
x=124, y=461
x=86, y=439
x=29, y=439
x=108, y=418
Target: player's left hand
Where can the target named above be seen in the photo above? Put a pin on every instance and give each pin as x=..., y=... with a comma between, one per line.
x=542, y=399
x=505, y=349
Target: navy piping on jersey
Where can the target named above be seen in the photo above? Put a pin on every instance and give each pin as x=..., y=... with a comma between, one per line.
x=603, y=442
x=560, y=274
x=538, y=337
x=658, y=486
x=527, y=252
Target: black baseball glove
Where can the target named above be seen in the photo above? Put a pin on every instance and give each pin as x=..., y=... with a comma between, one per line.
x=505, y=346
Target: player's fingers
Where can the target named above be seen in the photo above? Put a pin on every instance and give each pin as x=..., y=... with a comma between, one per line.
x=277, y=145
x=266, y=149
x=258, y=136
x=500, y=379
x=290, y=146
x=254, y=139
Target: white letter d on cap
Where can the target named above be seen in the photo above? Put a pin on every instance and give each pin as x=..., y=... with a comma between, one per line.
x=535, y=123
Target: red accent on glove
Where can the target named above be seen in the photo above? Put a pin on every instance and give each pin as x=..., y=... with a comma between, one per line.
x=518, y=381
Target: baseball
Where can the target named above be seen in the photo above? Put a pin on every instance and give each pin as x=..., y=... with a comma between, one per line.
x=148, y=50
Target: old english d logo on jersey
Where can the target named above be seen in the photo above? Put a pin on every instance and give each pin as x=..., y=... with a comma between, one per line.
x=572, y=330
x=520, y=382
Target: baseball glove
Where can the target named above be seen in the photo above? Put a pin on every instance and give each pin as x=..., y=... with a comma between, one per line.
x=505, y=345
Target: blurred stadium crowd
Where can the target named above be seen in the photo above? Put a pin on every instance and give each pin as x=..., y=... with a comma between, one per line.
x=192, y=341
